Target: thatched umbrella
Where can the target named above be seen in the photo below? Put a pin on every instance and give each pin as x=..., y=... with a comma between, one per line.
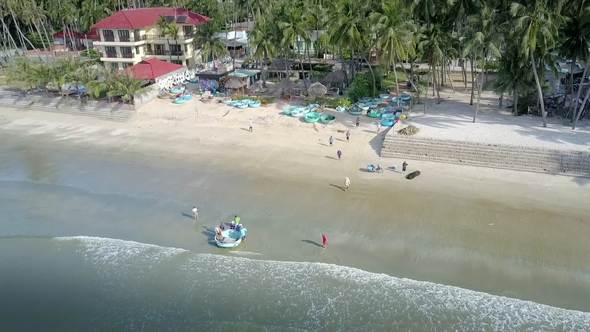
x=234, y=84
x=317, y=89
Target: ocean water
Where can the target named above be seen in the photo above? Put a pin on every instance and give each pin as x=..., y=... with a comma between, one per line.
x=96, y=239
x=92, y=283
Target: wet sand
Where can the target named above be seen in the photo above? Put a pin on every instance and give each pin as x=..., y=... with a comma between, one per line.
x=517, y=234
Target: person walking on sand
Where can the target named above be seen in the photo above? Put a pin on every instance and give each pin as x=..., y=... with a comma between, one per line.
x=358, y=121
x=331, y=140
x=348, y=135
x=324, y=240
x=404, y=166
x=250, y=128
x=339, y=154
x=195, y=214
x=378, y=126
x=346, y=183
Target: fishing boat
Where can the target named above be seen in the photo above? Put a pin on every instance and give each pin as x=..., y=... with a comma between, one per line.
x=254, y=103
x=312, y=117
x=327, y=118
x=229, y=235
x=340, y=109
x=387, y=122
x=299, y=111
x=182, y=99
x=355, y=110
x=288, y=110
x=374, y=113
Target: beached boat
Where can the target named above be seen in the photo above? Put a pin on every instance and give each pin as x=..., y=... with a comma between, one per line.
x=229, y=235
x=288, y=109
x=387, y=122
x=312, y=117
x=374, y=113
x=327, y=118
x=254, y=103
x=340, y=109
x=299, y=111
x=182, y=99
x=177, y=90
x=355, y=110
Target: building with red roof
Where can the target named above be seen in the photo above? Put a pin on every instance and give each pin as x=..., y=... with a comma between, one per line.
x=72, y=40
x=152, y=69
x=132, y=35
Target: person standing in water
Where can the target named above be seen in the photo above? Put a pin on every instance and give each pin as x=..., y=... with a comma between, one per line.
x=358, y=121
x=324, y=240
x=348, y=135
x=346, y=183
x=195, y=214
x=404, y=166
x=331, y=140
x=339, y=154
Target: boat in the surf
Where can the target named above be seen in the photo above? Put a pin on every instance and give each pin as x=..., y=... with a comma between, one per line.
x=229, y=235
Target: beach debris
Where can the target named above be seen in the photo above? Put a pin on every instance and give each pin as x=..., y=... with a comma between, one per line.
x=412, y=175
x=409, y=130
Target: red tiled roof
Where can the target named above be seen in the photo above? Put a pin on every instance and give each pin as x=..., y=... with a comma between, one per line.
x=152, y=68
x=145, y=17
x=92, y=34
x=60, y=34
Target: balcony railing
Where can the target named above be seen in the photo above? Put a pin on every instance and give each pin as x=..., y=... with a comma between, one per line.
x=127, y=55
x=179, y=37
x=109, y=38
x=174, y=53
x=111, y=54
x=124, y=39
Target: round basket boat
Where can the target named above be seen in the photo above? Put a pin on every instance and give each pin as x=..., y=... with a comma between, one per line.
x=387, y=122
x=299, y=111
x=229, y=235
x=254, y=103
x=340, y=109
x=355, y=110
x=312, y=117
x=389, y=115
x=374, y=114
x=327, y=118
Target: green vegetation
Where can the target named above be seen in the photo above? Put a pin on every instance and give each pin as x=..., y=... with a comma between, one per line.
x=516, y=38
x=53, y=77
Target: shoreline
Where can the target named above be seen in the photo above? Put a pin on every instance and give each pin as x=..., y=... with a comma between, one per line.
x=497, y=226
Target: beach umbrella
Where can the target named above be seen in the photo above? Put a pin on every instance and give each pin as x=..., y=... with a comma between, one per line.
x=317, y=90
x=234, y=84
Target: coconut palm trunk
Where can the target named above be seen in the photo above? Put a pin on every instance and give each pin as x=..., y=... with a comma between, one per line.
x=472, y=82
x=395, y=77
x=515, y=102
x=539, y=89
x=576, y=116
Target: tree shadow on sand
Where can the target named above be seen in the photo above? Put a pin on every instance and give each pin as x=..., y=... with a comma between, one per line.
x=313, y=243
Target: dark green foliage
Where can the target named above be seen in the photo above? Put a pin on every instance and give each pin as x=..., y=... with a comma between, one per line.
x=362, y=86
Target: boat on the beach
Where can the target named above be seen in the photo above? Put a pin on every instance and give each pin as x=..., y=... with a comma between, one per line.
x=182, y=99
x=177, y=90
x=355, y=110
x=387, y=122
x=299, y=111
x=412, y=175
x=229, y=235
x=374, y=113
x=327, y=118
x=340, y=109
x=312, y=117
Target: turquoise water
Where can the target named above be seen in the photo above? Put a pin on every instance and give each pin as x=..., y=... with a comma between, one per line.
x=104, y=240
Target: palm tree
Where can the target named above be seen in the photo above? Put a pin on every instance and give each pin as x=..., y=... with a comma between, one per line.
x=123, y=86
x=293, y=32
x=538, y=28
x=211, y=46
x=395, y=35
x=172, y=31
x=263, y=44
x=482, y=43
x=432, y=46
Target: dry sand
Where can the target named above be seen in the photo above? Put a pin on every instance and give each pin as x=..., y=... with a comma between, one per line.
x=290, y=147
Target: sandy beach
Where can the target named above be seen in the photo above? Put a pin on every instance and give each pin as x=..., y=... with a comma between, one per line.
x=483, y=229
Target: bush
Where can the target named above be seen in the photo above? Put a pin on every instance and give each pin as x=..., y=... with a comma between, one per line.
x=362, y=86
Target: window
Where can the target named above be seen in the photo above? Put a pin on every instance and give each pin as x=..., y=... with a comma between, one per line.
x=137, y=52
x=188, y=30
x=149, y=49
x=108, y=35
x=124, y=35
x=110, y=51
x=136, y=35
x=178, y=62
x=126, y=52
x=175, y=49
x=159, y=49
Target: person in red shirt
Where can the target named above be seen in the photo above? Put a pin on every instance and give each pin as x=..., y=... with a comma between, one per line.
x=324, y=240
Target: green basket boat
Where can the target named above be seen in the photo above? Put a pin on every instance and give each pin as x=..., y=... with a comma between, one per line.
x=327, y=118
x=312, y=117
x=374, y=114
x=355, y=110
